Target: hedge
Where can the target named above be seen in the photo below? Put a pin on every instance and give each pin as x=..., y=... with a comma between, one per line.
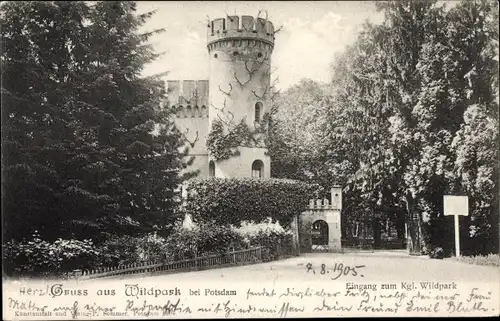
x=36, y=257
x=233, y=200
x=202, y=239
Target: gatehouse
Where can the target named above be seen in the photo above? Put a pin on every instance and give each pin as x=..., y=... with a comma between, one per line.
x=319, y=227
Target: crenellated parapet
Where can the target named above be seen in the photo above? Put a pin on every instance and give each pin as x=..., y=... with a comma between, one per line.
x=188, y=97
x=248, y=29
x=319, y=204
x=335, y=203
x=191, y=111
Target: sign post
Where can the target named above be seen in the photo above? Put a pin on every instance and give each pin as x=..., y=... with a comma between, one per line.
x=456, y=206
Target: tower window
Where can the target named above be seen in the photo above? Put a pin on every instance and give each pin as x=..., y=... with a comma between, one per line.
x=235, y=53
x=257, y=169
x=215, y=56
x=258, y=110
x=211, y=169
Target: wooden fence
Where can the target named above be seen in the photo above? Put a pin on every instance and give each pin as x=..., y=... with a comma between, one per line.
x=248, y=256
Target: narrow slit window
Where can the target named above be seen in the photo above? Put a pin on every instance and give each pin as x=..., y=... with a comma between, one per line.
x=211, y=169
x=258, y=111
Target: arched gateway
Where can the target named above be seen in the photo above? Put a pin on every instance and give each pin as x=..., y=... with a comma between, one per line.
x=319, y=236
x=318, y=227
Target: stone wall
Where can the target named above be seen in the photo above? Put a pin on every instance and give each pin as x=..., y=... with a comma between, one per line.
x=190, y=100
x=241, y=165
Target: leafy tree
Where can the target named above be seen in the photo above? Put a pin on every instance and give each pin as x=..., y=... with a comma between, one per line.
x=81, y=153
x=411, y=115
x=475, y=145
x=297, y=134
x=456, y=72
x=476, y=164
x=359, y=133
x=404, y=86
x=35, y=128
x=406, y=26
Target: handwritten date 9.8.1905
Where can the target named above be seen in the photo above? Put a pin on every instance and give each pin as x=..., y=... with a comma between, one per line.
x=337, y=271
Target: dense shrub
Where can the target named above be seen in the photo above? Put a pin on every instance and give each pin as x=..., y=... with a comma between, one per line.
x=119, y=250
x=437, y=253
x=39, y=257
x=233, y=200
x=274, y=239
x=153, y=247
x=203, y=238
x=490, y=259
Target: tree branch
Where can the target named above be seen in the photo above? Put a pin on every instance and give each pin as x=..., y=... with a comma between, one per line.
x=229, y=92
x=275, y=94
x=263, y=94
x=251, y=71
x=269, y=72
x=191, y=143
x=275, y=82
x=278, y=30
x=239, y=82
x=258, y=16
x=230, y=119
x=155, y=76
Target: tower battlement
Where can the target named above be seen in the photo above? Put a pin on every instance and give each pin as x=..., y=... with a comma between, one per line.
x=187, y=93
x=240, y=28
x=237, y=91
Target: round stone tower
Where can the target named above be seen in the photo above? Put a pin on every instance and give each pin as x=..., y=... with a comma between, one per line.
x=240, y=51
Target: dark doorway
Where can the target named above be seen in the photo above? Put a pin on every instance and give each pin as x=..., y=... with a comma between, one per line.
x=319, y=236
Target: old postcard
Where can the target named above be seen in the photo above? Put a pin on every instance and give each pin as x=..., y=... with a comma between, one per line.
x=250, y=159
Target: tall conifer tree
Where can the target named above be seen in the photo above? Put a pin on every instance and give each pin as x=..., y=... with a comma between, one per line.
x=86, y=147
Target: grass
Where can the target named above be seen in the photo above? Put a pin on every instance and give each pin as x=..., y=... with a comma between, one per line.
x=490, y=259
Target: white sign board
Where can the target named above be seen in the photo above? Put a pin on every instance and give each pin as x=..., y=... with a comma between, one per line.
x=456, y=205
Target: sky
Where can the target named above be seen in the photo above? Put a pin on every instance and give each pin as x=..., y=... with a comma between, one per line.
x=312, y=34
